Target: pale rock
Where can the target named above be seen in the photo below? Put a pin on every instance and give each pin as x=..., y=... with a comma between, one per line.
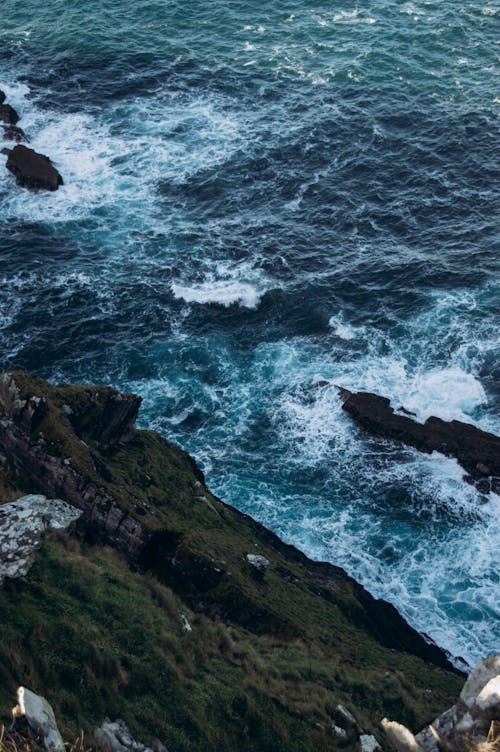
x=22, y=524
x=489, y=698
x=346, y=713
x=478, y=678
x=338, y=731
x=368, y=743
x=40, y=718
x=260, y=563
x=399, y=737
x=114, y=736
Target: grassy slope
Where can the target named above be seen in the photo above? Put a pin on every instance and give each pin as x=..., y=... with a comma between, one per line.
x=99, y=639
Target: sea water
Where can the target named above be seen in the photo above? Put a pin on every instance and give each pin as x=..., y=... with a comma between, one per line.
x=263, y=201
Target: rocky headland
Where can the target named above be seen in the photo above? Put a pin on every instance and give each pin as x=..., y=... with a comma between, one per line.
x=137, y=594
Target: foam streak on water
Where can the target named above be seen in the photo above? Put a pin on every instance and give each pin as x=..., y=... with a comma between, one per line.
x=261, y=203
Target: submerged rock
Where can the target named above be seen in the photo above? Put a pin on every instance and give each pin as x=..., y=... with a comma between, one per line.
x=477, y=451
x=32, y=170
x=14, y=133
x=39, y=716
x=22, y=524
x=8, y=114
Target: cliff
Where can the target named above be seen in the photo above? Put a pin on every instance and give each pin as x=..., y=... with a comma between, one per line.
x=170, y=609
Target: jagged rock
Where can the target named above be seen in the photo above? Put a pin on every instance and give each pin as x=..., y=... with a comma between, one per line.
x=368, y=743
x=14, y=133
x=477, y=451
x=38, y=714
x=106, y=416
x=22, y=524
x=115, y=737
x=399, y=737
x=8, y=114
x=32, y=170
x=468, y=720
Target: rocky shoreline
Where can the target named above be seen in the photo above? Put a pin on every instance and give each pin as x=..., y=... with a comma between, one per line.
x=204, y=601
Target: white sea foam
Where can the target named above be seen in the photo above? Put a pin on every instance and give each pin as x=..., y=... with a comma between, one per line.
x=343, y=330
x=225, y=292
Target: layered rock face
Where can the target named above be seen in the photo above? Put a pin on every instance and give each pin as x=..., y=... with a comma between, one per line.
x=477, y=451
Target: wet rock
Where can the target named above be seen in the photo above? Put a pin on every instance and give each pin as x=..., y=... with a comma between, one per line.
x=22, y=524
x=8, y=114
x=114, y=736
x=38, y=714
x=3, y=96
x=32, y=170
x=14, y=133
x=477, y=451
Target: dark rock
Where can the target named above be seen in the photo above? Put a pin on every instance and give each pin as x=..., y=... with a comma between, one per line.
x=2, y=96
x=8, y=114
x=14, y=133
x=105, y=416
x=477, y=451
x=32, y=170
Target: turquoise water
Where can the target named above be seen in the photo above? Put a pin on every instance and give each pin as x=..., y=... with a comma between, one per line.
x=259, y=197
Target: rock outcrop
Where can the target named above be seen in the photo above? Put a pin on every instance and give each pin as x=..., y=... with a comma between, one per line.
x=477, y=451
x=8, y=114
x=22, y=524
x=472, y=721
x=32, y=170
x=37, y=713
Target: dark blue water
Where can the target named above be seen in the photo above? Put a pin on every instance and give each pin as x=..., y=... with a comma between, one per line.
x=257, y=198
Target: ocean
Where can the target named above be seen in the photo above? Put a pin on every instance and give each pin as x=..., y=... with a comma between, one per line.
x=260, y=198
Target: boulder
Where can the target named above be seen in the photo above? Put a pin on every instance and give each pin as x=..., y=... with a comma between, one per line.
x=477, y=451
x=22, y=524
x=8, y=114
x=259, y=563
x=39, y=716
x=14, y=133
x=2, y=96
x=32, y=170
x=399, y=737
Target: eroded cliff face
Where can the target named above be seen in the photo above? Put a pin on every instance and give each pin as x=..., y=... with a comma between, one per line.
x=270, y=651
